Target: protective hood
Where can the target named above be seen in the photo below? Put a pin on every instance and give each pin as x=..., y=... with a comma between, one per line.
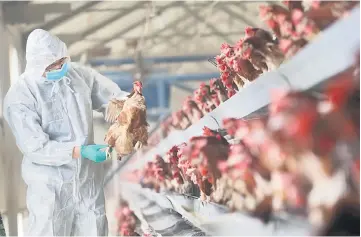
x=42, y=49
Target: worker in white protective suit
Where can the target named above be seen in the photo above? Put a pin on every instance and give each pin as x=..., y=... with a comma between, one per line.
x=50, y=111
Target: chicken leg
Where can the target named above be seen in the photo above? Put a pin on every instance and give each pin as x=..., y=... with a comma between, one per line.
x=138, y=145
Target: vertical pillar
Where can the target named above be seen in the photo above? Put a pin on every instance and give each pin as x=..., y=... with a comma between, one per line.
x=6, y=156
x=161, y=94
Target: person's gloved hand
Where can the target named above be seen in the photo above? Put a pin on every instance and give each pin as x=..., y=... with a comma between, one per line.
x=94, y=153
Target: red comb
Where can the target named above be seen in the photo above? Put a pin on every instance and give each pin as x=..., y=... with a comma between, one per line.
x=248, y=30
x=207, y=131
x=271, y=23
x=247, y=53
x=219, y=59
x=281, y=18
x=212, y=82
x=231, y=93
x=225, y=46
x=174, y=149
x=203, y=171
x=315, y=4
x=222, y=67
x=297, y=16
x=285, y=45
x=286, y=2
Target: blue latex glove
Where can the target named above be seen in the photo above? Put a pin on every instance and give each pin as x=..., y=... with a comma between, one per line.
x=93, y=153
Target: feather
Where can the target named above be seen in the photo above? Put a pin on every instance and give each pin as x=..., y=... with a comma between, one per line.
x=129, y=131
x=113, y=110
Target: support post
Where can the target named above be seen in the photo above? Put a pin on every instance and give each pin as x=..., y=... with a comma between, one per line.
x=161, y=94
x=8, y=161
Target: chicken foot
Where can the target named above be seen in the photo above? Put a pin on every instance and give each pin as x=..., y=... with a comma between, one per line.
x=204, y=199
x=111, y=154
x=138, y=145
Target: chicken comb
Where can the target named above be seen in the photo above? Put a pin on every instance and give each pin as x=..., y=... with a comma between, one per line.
x=297, y=16
x=225, y=46
x=285, y=45
x=281, y=18
x=339, y=90
x=315, y=4
x=248, y=30
x=207, y=131
x=219, y=59
x=271, y=23
x=231, y=93
x=219, y=137
x=203, y=170
x=212, y=82
x=286, y=2
x=174, y=149
x=247, y=53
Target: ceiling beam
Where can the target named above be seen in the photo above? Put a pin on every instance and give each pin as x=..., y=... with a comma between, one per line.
x=173, y=24
x=116, y=17
x=131, y=27
x=236, y=15
x=171, y=36
x=201, y=19
x=168, y=41
x=169, y=26
x=185, y=27
x=155, y=34
x=200, y=5
x=24, y=13
x=152, y=60
x=185, y=35
x=63, y=18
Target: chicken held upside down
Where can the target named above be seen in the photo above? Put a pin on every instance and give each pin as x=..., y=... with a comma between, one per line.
x=129, y=130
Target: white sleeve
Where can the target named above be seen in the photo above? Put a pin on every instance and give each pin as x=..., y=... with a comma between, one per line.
x=104, y=90
x=33, y=142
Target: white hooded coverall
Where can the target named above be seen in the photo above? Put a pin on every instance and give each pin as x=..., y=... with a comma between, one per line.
x=48, y=118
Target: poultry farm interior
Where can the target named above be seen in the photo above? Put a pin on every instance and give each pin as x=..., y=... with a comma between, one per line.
x=291, y=162
x=243, y=117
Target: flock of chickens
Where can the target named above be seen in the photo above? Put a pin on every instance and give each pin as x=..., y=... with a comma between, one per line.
x=302, y=157
x=293, y=25
x=127, y=220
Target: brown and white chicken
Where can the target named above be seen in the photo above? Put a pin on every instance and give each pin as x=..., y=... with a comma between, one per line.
x=129, y=130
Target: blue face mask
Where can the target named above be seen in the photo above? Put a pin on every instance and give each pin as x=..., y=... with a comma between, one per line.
x=57, y=74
